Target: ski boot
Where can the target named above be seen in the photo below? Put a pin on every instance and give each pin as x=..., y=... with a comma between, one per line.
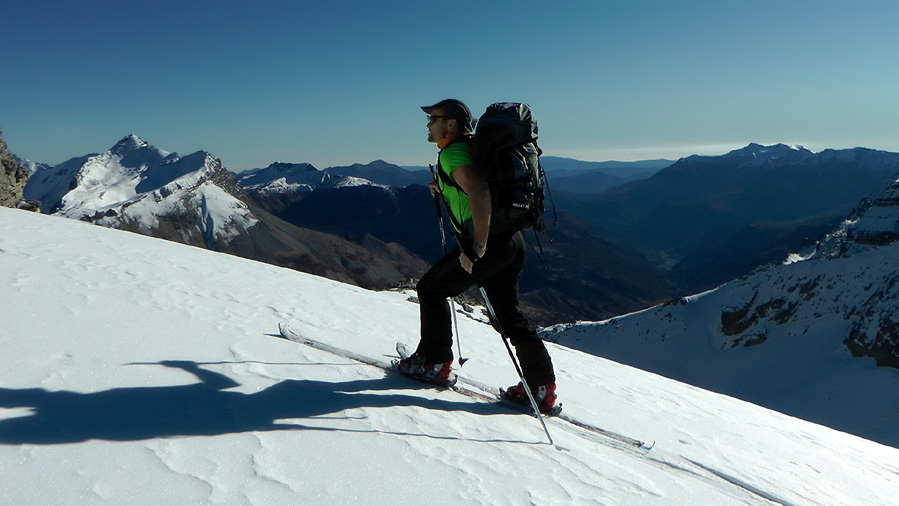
x=439, y=374
x=545, y=395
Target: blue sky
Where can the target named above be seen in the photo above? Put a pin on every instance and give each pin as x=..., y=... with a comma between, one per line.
x=336, y=82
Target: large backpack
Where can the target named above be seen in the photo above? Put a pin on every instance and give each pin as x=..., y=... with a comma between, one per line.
x=505, y=153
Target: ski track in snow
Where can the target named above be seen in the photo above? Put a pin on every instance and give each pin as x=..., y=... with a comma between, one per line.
x=116, y=320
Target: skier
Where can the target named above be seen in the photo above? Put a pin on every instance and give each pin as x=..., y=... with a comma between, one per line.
x=494, y=262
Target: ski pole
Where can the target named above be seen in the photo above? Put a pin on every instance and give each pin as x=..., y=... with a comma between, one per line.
x=443, y=242
x=524, y=382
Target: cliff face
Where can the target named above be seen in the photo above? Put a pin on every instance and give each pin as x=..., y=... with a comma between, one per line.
x=12, y=178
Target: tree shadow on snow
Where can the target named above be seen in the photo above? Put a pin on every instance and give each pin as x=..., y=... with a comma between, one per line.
x=199, y=409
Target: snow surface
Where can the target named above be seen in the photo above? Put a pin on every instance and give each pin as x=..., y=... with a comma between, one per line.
x=139, y=371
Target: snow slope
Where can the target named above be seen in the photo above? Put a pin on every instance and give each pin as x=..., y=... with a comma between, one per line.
x=132, y=371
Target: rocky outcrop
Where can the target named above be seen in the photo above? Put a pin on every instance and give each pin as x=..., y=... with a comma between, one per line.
x=13, y=177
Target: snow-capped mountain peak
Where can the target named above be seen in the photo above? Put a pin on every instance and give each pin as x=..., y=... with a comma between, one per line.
x=31, y=166
x=757, y=154
x=285, y=175
x=138, y=187
x=130, y=142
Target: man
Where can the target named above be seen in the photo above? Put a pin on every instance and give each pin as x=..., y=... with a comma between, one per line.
x=493, y=261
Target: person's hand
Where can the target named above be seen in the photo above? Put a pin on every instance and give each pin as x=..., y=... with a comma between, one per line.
x=468, y=263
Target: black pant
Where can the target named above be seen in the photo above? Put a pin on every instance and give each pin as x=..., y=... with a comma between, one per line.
x=498, y=271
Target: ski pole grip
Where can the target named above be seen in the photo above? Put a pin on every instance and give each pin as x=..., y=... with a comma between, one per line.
x=436, y=198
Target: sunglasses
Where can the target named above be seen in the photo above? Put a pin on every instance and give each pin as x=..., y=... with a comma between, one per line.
x=434, y=117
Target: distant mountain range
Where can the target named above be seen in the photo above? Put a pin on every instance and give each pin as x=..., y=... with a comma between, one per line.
x=383, y=173
x=653, y=230
x=580, y=273
x=559, y=167
x=797, y=322
x=714, y=218
x=577, y=176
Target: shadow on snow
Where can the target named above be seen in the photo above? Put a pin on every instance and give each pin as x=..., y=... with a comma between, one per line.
x=198, y=409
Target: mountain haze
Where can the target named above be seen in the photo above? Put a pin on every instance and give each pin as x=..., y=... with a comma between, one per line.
x=579, y=177
x=557, y=166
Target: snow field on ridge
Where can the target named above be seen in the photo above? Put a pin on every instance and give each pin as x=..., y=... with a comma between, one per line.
x=154, y=375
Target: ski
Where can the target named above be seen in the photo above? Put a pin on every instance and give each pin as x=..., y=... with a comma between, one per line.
x=292, y=335
x=468, y=387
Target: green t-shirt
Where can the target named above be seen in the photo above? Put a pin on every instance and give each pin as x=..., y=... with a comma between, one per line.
x=450, y=158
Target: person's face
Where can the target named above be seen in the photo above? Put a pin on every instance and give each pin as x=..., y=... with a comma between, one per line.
x=438, y=125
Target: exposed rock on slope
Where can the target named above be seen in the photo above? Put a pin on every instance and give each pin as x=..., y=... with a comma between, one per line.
x=13, y=177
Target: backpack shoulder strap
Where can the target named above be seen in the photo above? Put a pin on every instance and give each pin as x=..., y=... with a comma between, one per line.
x=446, y=178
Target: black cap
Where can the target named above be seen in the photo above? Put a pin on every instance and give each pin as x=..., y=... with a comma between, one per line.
x=453, y=108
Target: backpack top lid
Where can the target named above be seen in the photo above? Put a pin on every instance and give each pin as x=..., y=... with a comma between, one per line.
x=515, y=117
x=504, y=126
